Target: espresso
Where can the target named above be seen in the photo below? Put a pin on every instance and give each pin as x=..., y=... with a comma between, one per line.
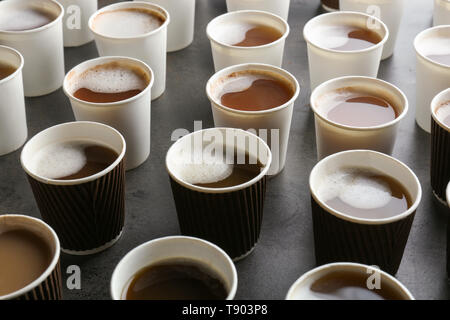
x=258, y=36
x=357, y=39
x=364, y=193
x=443, y=113
x=440, y=58
x=25, y=19
x=6, y=70
x=250, y=91
x=176, y=279
x=24, y=256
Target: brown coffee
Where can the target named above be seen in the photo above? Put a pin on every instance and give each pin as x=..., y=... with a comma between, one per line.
x=101, y=97
x=6, y=70
x=24, y=256
x=258, y=36
x=25, y=19
x=176, y=279
x=357, y=39
x=440, y=58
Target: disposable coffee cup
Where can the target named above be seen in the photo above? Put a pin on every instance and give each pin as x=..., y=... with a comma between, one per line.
x=431, y=77
x=42, y=48
x=132, y=116
x=279, y=7
x=205, y=253
x=326, y=64
x=227, y=28
x=48, y=285
x=388, y=11
x=440, y=146
x=180, y=31
x=13, y=122
x=150, y=47
x=448, y=233
x=87, y=214
x=333, y=137
x=272, y=125
x=229, y=217
x=330, y=5
x=341, y=237
x=301, y=289
x=77, y=13
x=441, y=12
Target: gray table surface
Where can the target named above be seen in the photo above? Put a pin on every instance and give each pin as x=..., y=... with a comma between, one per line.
x=285, y=249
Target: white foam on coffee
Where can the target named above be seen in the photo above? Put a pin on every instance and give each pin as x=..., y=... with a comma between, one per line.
x=434, y=46
x=126, y=22
x=232, y=33
x=330, y=36
x=240, y=82
x=443, y=111
x=356, y=188
x=328, y=101
x=23, y=19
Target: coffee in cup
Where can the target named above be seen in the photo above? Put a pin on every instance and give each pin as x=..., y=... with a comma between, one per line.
x=25, y=18
x=6, y=70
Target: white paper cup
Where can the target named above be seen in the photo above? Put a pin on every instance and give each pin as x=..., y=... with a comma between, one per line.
x=332, y=137
x=158, y=250
x=150, y=47
x=431, y=77
x=300, y=289
x=272, y=125
x=225, y=55
x=326, y=64
x=180, y=32
x=441, y=13
x=389, y=11
x=278, y=7
x=42, y=48
x=132, y=117
x=75, y=22
x=13, y=121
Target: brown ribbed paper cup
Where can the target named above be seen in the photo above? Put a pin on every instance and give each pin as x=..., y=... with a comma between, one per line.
x=48, y=285
x=229, y=217
x=87, y=214
x=341, y=237
x=440, y=147
x=448, y=231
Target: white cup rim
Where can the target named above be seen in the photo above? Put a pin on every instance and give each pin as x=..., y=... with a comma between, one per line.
x=240, y=12
x=417, y=39
x=232, y=290
x=18, y=69
x=250, y=67
x=448, y=194
x=435, y=105
x=393, y=88
x=133, y=4
x=51, y=266
x=348, y=13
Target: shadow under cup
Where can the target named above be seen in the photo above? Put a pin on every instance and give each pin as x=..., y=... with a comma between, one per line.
x=87, y=214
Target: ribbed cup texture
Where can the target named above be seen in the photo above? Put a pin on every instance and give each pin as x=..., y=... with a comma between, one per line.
x=338, y=240
x=49, y=289
x=230, y=220
x=440, y=159
x=85, y=216
x=448, y=246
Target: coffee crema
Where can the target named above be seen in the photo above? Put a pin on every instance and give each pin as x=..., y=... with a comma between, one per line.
x=24, y=257
x=346, y=38
x=258, y=36
x=25, y=19
x=443, y=113
x=176, y=279
x=6, y=70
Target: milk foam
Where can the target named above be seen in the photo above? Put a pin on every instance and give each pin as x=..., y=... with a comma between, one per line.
x=434, y=46
x=443, y=111
x=232, y=33
x=330, y=36
x=331, y=99
x=23, y=19
x=240, y=82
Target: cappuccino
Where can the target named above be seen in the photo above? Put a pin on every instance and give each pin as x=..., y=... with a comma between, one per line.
x=23, y=19
x=345, y=37
x=443, y=113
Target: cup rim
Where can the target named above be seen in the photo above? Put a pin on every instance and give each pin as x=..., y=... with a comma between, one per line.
x=51, y=266
x=18, y=69
x=220, y=190
x=44, y=27
x=241, y=12
x=107, y=59
x=74, y=181
x=391, y=86
x=133, y=4
x=435, y=106
x=232, y=290
x=422, y=34
x=348, y=13
x=448, y=194
x=365, y=221
x=256, y=67
x=349, y=265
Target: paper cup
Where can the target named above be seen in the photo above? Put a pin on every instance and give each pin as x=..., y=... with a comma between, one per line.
x=332, y=137
x=279, y=7
x=87, y=214
x=389, y=11
x=150, y=47
x=441, y=13
x=13, y=121
x=77, y=13
x=272, y=125
x=448, y=233
x=330, y=5
x=440, y=149
x=229, y=217
x=42, y=48
x=341, y=237
x=225, y=55
x=180, y=32
x=131, y=116
x=431, y=77
x=158, y=250
x=48, y=285
x=299, y=290
x=326, y=64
